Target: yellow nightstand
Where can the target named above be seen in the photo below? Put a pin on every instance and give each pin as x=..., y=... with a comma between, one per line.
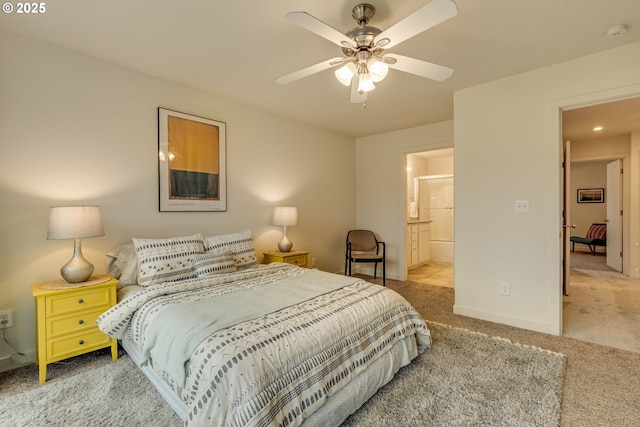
x=66, y=320
x=299, y=258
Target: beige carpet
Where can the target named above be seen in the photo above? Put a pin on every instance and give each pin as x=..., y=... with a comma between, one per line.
x=602, y=384
x=603, y=307
x=587, y=261
x=450, y=384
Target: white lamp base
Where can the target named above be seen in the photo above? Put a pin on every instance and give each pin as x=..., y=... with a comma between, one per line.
x=285, y=244
x=78, y=269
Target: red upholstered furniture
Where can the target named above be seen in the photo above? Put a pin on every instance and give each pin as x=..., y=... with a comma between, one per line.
x=596, y=236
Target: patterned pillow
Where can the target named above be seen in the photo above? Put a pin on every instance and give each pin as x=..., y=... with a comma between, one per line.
x=239, y=245
x=597, y=231
x=166, y=260
x=208, y=264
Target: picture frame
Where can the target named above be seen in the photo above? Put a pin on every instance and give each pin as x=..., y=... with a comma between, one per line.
x=191, y=163
x=591, y=195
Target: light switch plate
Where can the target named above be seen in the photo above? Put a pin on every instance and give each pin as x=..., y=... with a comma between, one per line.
x=522, y=206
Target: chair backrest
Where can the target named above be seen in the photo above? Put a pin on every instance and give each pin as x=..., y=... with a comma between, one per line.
x=597, y=231
x=362, y=240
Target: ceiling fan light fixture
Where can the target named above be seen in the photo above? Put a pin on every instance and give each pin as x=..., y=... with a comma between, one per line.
x=364, y=47
x=365, y=83
x=378, y=70
x=345, y=73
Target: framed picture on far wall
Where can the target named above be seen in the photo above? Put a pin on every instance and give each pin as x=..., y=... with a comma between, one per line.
x=191, y=163
x=591, y=195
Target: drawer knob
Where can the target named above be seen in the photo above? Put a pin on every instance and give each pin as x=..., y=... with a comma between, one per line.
x=81, y=342
x=81, y=322
x=80, y=301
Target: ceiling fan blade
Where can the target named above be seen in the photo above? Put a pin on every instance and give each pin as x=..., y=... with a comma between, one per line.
x=428, y=16
x=357, y=97
x=420, y=68
x=321, y=66
x=308, y=22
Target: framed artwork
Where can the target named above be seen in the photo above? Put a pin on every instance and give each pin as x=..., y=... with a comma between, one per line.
x=591, y=195
x=191, y=163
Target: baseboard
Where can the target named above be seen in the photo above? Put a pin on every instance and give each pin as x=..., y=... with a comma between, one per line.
x=9, y=362
x=515, y=321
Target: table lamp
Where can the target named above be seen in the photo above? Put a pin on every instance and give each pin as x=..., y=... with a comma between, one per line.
x=285, y=217
x=75, y=222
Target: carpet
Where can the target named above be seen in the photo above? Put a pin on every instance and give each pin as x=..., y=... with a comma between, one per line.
x=603, y=308
x=467, y=378
x=470, y=379
x=117, y=394
x=588, y=261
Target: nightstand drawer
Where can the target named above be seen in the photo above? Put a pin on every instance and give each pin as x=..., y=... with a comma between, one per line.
x=300, y=260
x=73, y=345
x=72, y=302
x=77, y=322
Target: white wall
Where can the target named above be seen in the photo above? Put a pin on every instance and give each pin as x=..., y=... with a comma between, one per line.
x=77, y=130
x=381, y=181
x=634, y=206
x=507, y=148
x=587, y=175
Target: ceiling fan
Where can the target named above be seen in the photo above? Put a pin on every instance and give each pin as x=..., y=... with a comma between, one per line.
x=365, y=61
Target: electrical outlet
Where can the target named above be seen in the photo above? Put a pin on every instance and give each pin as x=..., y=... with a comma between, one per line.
x=6, y=318
x=505, y=288
x=313, y=261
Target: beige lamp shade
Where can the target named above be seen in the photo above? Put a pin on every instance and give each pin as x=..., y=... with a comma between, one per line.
x=75, y=222
x=285, y=216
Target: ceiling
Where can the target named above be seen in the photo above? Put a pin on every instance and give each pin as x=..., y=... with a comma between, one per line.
x=615, y=118
x=237, y=49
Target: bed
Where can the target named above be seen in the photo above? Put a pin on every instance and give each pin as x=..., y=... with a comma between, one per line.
x=227, y=341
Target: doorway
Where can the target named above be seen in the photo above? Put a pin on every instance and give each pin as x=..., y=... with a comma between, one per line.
x=595, y=159
x=430, y=213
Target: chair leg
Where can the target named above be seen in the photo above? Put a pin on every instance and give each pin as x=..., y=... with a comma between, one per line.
x=384, y=273
x=375, y=269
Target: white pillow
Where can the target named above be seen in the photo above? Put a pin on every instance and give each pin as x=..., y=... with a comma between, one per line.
x=240, y=245
x=123, y=264
x=208, y=264
x=166, y=260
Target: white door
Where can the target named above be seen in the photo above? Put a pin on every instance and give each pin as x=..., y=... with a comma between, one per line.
x=614, y=215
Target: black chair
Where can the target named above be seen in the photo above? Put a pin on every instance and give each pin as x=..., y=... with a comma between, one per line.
x=363, y=246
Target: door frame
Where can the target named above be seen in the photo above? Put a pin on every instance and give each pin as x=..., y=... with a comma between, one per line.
x=631, y=232
x=615, y=215
x=416, y=151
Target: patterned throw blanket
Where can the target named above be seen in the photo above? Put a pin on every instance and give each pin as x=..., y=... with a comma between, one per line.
x=280, y=367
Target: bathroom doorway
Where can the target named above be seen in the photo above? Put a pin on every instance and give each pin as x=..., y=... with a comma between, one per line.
x=430, y=216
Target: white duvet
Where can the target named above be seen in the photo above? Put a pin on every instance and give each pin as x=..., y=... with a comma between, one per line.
x=279, y=367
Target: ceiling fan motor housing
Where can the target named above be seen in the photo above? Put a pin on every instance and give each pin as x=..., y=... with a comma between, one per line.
x=363, y=37
x=364, y=34
x=362, y=13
